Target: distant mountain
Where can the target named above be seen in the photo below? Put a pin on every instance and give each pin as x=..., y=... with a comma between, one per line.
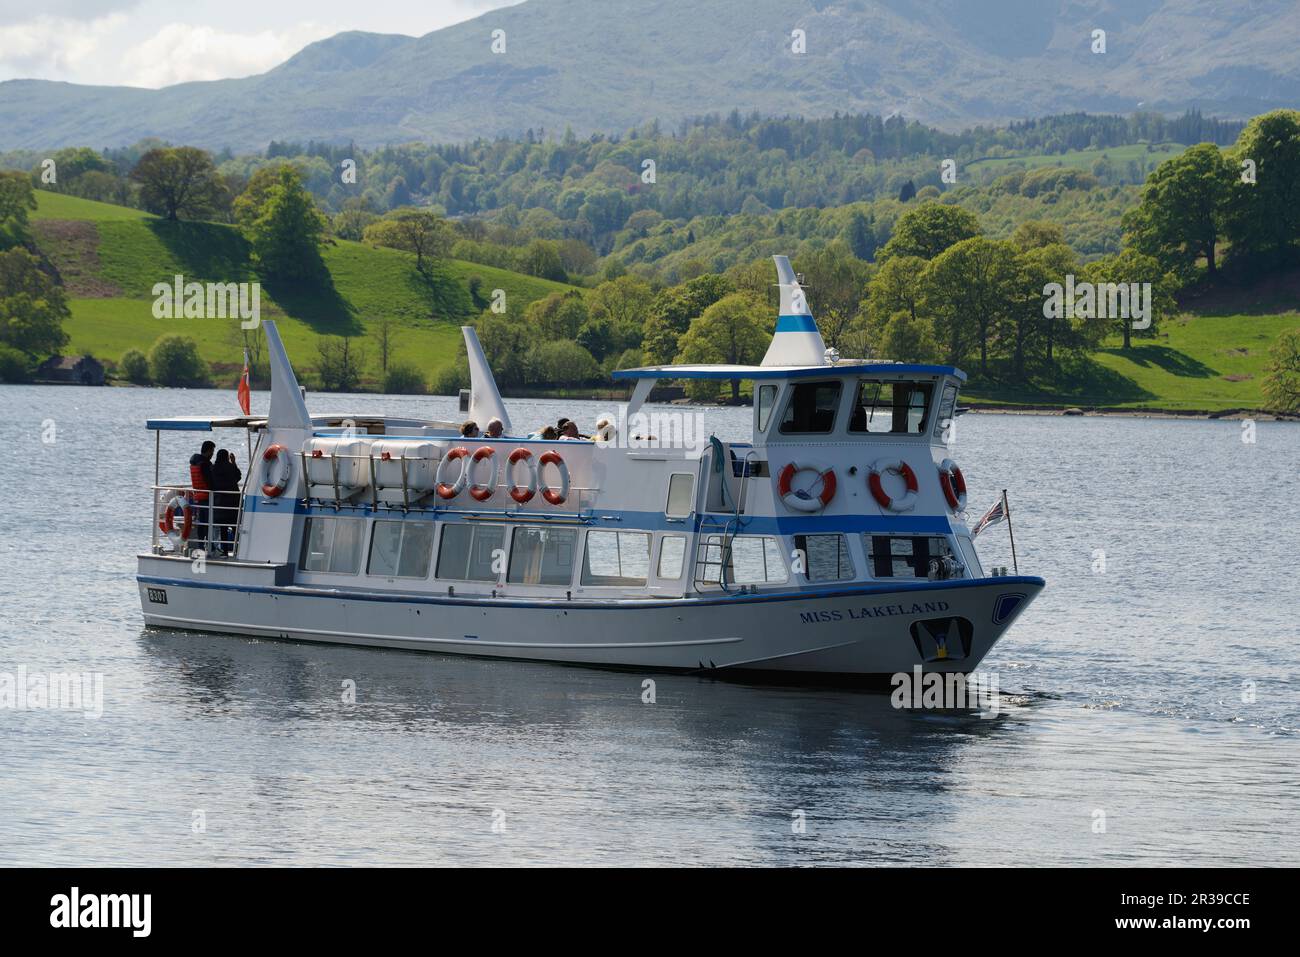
x=606, y=65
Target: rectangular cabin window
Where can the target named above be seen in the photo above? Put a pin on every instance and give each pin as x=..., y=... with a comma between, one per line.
x=616, y=558
x=826, y=557
x=401, y=549
x=906, y=556
x=542, y=556
x=810, y=409
x=756, y=560
x=681, y=494
x=467, y=550
x=332, y=545
x=892, y=408
x=672, y=556
x=947, y=409
x=766, y=402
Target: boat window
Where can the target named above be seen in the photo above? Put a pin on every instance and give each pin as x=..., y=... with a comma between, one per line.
x=756, y=560
x=467, y=551
x=766, y=402
x=947, y=409
x=826, y=557
x=672, y=556
x=906, y=556
x=332, y=545
x=542, y=556
x=401, y=549
x=616, y=558
x=811, y=408
x=897, y=408
x=681, y=493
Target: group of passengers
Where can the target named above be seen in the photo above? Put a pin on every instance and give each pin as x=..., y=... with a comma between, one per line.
x=564, y=429
x=219, y=479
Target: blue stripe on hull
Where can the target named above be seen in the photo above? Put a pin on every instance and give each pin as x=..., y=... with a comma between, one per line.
x=612, y=604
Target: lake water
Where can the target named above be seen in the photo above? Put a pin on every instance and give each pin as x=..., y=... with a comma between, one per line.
x=1149, y=710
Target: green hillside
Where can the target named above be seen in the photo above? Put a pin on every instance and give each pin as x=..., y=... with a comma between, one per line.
x=1199, y=361
x=110, y=257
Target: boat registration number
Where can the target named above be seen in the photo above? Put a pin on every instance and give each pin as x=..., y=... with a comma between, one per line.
x=158, y=596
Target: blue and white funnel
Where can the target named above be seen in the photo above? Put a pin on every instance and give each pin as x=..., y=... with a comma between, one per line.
x=796, y=341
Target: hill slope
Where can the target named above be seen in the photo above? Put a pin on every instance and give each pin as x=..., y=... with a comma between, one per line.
x=110, y=257
x=606, y=65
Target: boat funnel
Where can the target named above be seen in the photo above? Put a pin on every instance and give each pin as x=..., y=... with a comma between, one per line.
x=288, y=410
x=796, y=341
x=484, y=400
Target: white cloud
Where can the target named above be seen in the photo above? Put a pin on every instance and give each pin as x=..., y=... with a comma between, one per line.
x=49, y=47
x=181, y=52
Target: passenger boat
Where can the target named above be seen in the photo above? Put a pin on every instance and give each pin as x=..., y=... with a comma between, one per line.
x=833, y=544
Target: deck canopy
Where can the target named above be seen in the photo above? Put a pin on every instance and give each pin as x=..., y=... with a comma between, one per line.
x=786, y=372
x=204, y=423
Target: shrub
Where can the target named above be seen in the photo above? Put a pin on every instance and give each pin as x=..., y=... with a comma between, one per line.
x=134, y=367
x=14, y=366
x=174, y=360
x=403, y=379
x=449, y=380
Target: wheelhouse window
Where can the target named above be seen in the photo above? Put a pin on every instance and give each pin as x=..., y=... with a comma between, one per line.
x=911, y=556
x=467, y=551
x=401, y=549
x=542, y=556
x=616, y=558
x=947, y=409
x=766, y=402
x=826, y=557
x=892, y=408
x=332, y=545
x=811, y=408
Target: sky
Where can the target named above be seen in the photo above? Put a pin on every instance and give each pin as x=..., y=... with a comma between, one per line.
x=155, y=43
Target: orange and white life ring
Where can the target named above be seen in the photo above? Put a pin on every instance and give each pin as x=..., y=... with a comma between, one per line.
x=166, y=518
x=906, y=501
x=802, y=500
x=555, y=497
x=482, y=491
x=277, y=467
x=521, y=493
x=447, y=489
x=953, y=484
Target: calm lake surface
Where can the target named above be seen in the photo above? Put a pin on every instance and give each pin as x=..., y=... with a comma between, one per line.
x=1149, y=711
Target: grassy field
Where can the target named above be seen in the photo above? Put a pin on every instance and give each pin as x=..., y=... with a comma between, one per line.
x=1083, y=159
x=111, y=257
x=1197, y=362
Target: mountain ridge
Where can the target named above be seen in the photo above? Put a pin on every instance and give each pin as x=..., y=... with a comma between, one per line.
x=608, y=65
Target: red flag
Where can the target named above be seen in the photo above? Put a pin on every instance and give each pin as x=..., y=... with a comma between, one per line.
x=245, y=397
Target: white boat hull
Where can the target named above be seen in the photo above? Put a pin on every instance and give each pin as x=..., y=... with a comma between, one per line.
x=853, y=631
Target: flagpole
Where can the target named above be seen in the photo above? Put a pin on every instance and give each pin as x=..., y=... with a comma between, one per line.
x=1007, y=508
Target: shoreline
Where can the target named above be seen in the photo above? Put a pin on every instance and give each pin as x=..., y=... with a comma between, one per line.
x=597, y=395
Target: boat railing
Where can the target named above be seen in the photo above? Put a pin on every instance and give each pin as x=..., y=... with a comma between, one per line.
x=204, y=514
x=577, y=506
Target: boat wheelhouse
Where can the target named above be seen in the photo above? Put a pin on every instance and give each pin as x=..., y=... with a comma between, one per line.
x=832, y=543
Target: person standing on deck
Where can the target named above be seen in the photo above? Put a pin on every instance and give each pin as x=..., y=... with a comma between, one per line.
x=225, y=499
x=200, y=484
